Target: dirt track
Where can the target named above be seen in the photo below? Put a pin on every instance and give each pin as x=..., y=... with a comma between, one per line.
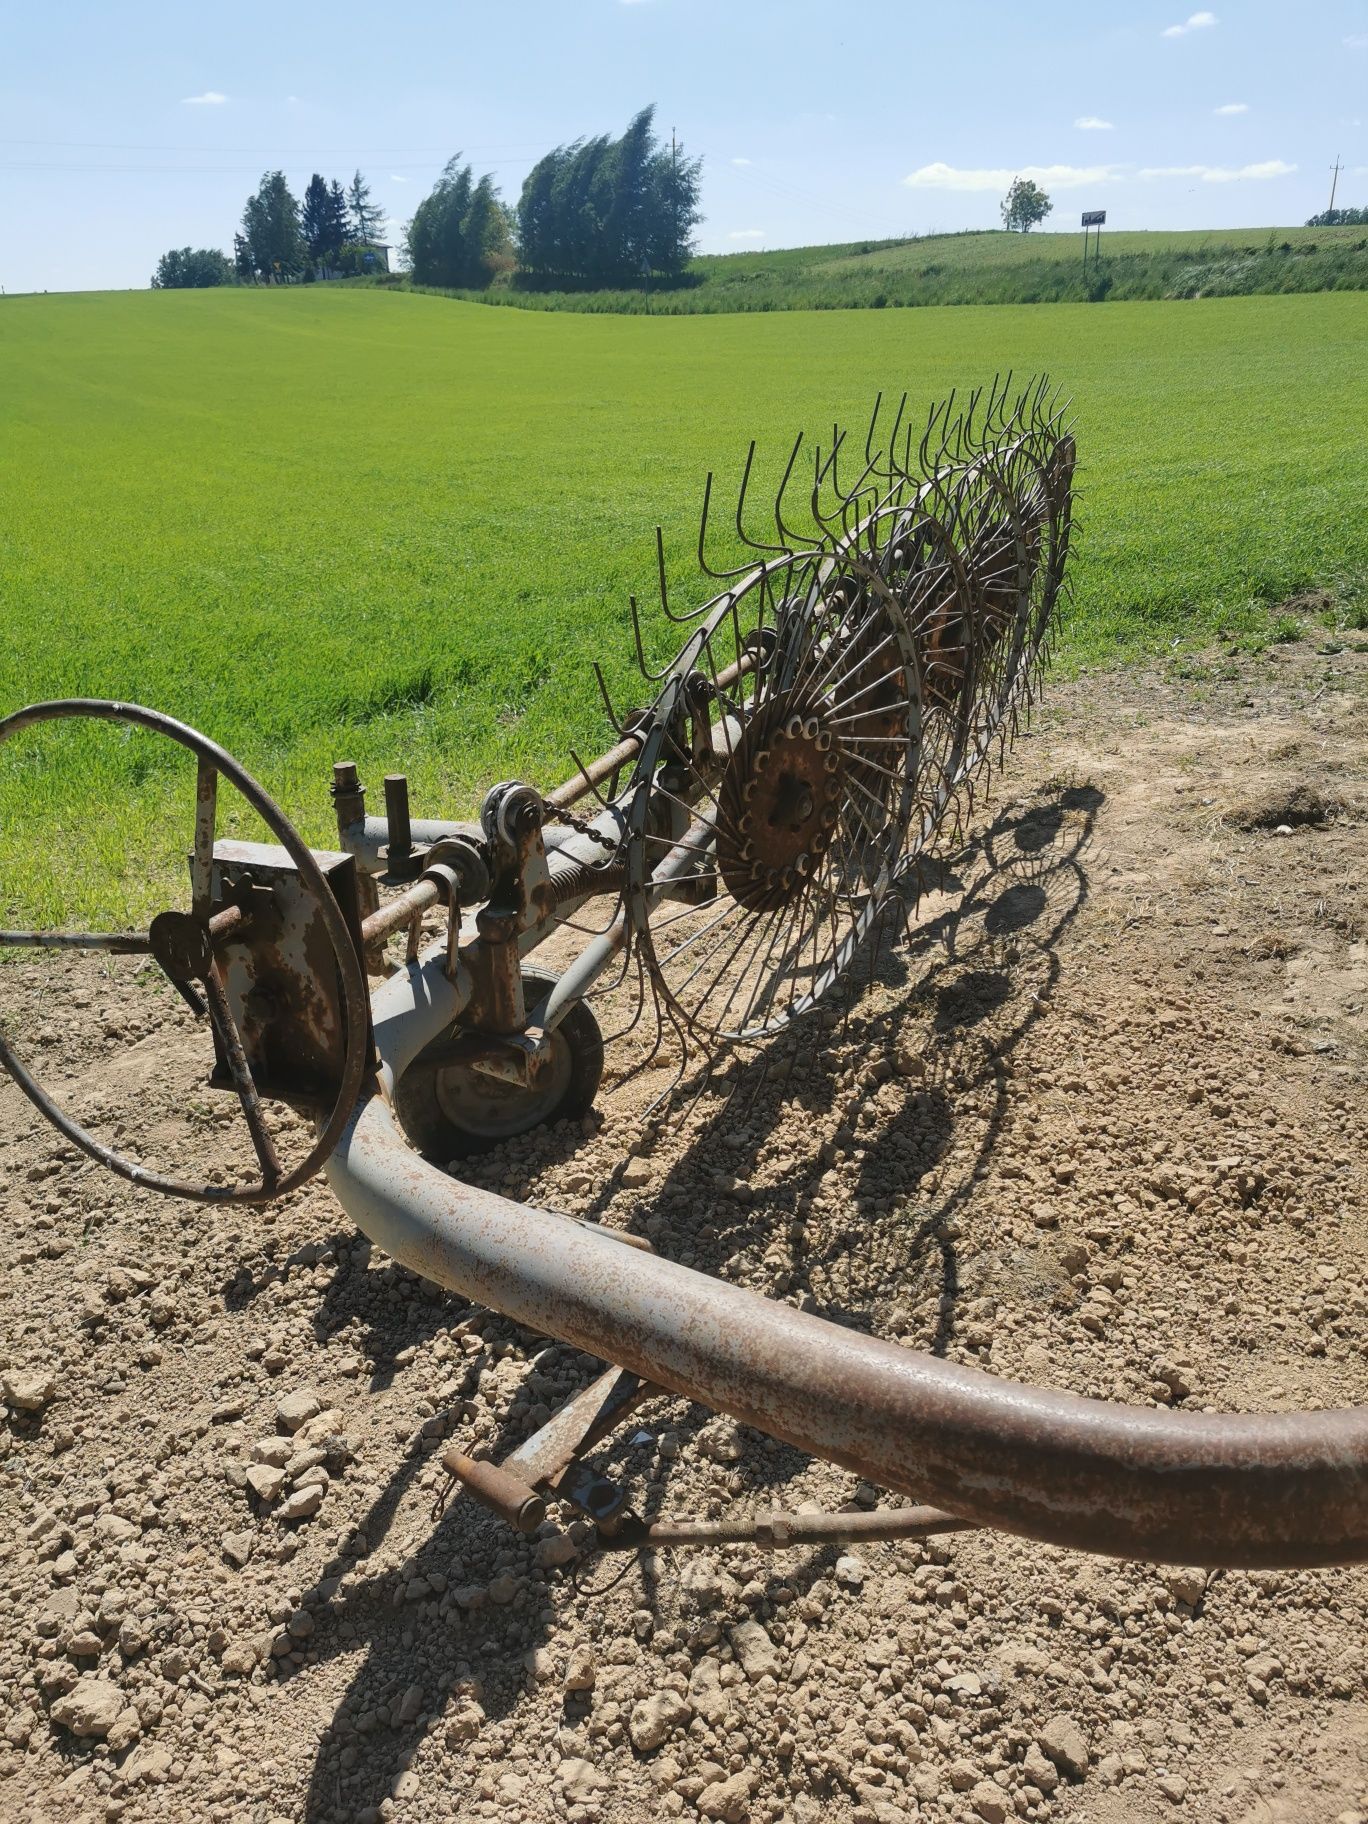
x=1101, y=1128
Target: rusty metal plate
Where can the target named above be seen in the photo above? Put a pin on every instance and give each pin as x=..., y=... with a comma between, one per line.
x=280, y=969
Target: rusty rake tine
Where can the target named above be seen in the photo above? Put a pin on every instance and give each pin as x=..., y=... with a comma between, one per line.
x=741, y=532
x=718, y=576
x=873, y=422
x=789, y=540
x=611, y=713
x=599, y=798
x=652, y=677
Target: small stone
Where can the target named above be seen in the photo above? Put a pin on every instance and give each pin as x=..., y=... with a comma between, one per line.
x=754, y=1650
x=275, y=1451
x=1283, y=829
x=237, y=1548
x=655, y=1718
x=580, y=1671
x=851, y=1571
x=1039, y=1770
x=464, y=1724
x=503, y=1589
x=410, y=1705
x=301, y=1503
x=1173, y=1785
x=296, y=1409
x=1187, y=1586
x=61, y=1606
x=266, y=1482
x=727, y=1801
x=149, y=1766
x=114, y=1527
x=301, y=1624
x=91, y=1707
x=990, y=1802
x=580, y=1780
x=963, y=1774
x=85, y=1643
x=27, y=1389
x=405, y=1784
x=635, y=1174
x=1062, y=1740
x=127, y=1728
x=560, y=1548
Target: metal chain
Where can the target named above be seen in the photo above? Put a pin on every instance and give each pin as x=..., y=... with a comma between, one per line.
x=554, y=813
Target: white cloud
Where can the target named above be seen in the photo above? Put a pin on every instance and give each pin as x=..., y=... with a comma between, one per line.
x=740, y=161
x=746, y=234
x=293, y=100
x=1357, y=41
x=1232, y=107
x=396, y=179
x=1221, y=174
x=1059, y=177
x=1195, y=22
x=210, y=99
x=1089, y=123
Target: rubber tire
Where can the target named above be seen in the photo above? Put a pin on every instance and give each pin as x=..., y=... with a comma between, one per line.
x=440, y=1137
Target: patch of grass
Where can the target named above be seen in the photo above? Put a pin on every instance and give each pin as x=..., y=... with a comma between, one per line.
x=323, y=523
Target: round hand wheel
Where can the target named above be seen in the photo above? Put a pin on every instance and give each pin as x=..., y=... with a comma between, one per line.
x=183, y=944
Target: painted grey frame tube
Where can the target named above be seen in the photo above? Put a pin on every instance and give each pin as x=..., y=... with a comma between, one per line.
x=1132, y=1482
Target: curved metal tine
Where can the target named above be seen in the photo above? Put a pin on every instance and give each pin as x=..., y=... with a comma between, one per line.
x=822, y=471
x=116, y=943
x=889, y=452
x=651, y=677
x=925, y=444
x=598, y=796
x=873, y=423
x=791, y=540
x=611, y=713
x=221, y=1016
x=741, y=532
x=679, y=619
x=718, y=576
x=202, y=861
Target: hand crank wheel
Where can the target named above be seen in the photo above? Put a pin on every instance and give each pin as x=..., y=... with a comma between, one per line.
x=183, y=943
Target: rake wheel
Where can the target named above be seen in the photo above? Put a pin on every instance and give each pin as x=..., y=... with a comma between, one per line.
x=773, y=793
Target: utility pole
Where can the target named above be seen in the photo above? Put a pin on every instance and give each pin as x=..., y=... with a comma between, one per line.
x=1334, y=179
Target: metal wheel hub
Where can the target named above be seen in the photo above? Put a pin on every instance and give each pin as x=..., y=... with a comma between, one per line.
x=496, y=1109
x=779, y=802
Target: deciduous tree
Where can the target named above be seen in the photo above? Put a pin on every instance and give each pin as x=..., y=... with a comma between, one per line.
x=187, y=268
x=1024, y=205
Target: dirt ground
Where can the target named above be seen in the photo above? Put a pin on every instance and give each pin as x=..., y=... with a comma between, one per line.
x=1098, y=1124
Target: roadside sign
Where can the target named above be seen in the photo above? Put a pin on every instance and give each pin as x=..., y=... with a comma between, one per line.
x=1094, y=218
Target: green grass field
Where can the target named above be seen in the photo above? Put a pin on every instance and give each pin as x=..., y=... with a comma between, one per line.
x=324, y=522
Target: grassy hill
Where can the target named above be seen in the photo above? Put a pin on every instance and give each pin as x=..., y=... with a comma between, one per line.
x=319, y=522
x=989, y=268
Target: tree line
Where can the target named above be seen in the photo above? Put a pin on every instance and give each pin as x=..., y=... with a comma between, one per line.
x=599, y=211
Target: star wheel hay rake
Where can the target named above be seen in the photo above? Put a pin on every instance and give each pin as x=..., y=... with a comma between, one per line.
x=822, y=730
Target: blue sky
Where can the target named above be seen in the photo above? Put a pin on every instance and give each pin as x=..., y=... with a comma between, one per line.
x=131, y=128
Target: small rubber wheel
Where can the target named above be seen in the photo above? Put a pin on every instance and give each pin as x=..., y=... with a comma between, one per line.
x=451, y=1111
